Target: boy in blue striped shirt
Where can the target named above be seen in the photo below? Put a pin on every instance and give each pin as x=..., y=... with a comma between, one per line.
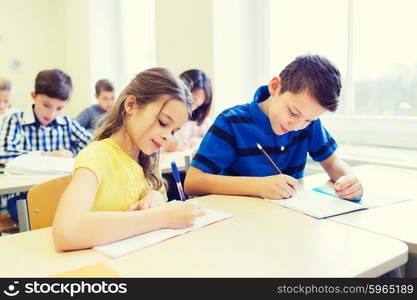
x=40, y=128
x=284, y=118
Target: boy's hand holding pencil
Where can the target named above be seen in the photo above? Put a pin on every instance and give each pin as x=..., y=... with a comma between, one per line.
x=278, y=186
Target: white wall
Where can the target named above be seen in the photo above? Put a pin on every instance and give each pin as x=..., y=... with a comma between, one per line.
x=104, y=36
x=218, y=37
x=74, y=36
x=28, y=44
x=88, y=39
x=241, y=60
x=116, y=39
x=184, y=35
x=137, y=33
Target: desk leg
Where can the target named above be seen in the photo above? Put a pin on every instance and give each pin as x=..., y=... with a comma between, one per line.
x=22, y=215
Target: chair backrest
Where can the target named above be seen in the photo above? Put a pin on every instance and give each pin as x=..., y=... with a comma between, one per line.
x=42, y=201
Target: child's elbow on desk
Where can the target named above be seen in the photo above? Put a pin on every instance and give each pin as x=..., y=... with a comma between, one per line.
x=65, y=237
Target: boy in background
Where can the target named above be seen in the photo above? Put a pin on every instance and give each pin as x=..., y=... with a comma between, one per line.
x=105, y=96
x=284, y=118
x=5, y=98
x=41, y=128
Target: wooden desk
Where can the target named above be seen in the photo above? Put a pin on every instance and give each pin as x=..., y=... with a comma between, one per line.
x=398, y=221
x=21, y=183
x=261, y=240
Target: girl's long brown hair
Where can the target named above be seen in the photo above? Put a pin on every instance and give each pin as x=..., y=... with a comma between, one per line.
x=146, y=87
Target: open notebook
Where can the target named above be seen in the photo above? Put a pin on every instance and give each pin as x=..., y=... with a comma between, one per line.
x=369, y=199
x=320, y=204
x=36, y=164
x=135, y=243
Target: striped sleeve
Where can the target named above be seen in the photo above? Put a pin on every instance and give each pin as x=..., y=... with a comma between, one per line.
x=79, y=136
x=321, y=145
x=217, y=151
x=11, y=138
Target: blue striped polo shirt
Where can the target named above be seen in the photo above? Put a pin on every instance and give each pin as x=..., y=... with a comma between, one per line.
x=229, y=147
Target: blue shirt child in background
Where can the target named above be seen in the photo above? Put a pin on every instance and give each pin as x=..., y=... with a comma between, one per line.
x=88, y=118
x=41, y=128
x=284, y=118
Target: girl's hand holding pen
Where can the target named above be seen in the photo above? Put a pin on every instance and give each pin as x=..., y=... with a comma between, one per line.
x=180, y=214
x=277, y=186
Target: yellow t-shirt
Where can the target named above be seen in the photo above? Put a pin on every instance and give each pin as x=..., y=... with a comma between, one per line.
x=121, y=180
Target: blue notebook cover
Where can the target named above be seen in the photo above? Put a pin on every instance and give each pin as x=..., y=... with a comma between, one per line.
x=368, y=200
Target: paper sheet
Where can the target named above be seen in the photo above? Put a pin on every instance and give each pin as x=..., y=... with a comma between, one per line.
x=318, y=205
x=36, y=164
x=369, y=199
x=135, y=243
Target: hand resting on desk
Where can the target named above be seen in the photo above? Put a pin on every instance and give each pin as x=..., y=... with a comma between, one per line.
x=348, y=187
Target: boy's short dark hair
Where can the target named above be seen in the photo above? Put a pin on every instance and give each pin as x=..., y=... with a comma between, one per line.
x=104, y=85
x=53, y=83
x=316, y=75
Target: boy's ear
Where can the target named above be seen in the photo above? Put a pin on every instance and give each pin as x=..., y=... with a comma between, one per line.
x=130, y=104
x=274, y=85
x=33, y=95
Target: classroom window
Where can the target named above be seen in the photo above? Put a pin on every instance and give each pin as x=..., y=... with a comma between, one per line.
x=385, y=58
x=371, y=43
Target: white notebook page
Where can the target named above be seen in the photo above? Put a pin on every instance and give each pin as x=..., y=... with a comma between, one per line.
x=318, y=205
x=135, y=243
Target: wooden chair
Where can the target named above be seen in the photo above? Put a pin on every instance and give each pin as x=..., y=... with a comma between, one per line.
x=42, y=201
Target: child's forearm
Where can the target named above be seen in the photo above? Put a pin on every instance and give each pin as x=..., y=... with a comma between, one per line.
x=335, y=168
x=200, y=183
x=97, y=228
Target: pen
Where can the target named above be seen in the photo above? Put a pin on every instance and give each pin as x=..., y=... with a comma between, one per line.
x=268, y=158
x=177, y=178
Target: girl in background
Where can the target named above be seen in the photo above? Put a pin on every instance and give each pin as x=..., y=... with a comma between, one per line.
x=192, y=132
x=116, y=189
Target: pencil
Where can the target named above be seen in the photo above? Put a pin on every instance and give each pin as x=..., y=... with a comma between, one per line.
x=268, y=158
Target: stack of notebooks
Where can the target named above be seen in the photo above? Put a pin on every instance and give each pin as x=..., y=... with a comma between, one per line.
x=36, y=164
x=322, y=202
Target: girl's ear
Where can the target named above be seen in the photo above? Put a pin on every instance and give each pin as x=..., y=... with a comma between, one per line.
x=130, y=104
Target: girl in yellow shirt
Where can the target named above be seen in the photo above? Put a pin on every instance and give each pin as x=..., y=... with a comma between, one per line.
x=116, y=189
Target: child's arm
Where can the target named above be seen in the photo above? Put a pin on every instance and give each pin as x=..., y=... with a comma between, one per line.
x=11, y=139
x=76, y=226
x=272, y=187
x=347, y=185
x=80, y=137
x=84, y=118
